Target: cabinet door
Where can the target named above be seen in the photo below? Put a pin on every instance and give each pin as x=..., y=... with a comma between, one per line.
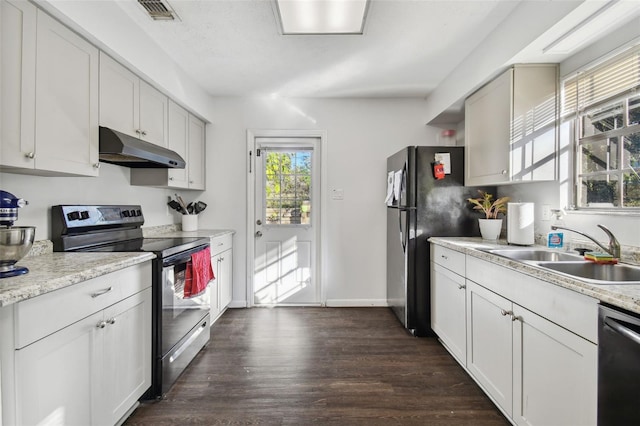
x=56, y=377
x=196, y=160
x=555, y=373
x=119, y=97
x=66, y=100
x=489, y=343
x=18, y=75
x=448, y=310
x=127, y=358
x=154, y=107
x=178, y=142
x=225, y=269
x=487, y=132
x=214, y=289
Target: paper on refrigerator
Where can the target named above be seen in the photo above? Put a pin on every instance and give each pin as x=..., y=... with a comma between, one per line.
x=389, y=199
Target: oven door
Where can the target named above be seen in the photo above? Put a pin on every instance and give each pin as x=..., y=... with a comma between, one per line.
x=179, y=314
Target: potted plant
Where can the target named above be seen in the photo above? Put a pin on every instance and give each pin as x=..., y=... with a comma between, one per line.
x=491, y=225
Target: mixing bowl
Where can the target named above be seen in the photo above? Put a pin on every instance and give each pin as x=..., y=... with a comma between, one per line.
x=15, y=243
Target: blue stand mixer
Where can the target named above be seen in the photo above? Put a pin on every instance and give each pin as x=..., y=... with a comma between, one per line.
x=15, y=241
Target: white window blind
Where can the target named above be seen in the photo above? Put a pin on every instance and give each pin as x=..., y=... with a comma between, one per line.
x=603, y=82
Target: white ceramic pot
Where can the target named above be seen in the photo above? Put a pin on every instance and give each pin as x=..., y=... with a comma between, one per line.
x=189, y=222
x=490, y=228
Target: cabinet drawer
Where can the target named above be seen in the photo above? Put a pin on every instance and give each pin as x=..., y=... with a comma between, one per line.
x=221, y=243
x=42, y=315
x=450, y=259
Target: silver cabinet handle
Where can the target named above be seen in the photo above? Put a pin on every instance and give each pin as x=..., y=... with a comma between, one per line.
x=138, y=131
x=101, y=324
x=505, y=313
x=504, y=172
x=111, y=320
x=144, y=133
x=444, y=257
x=171, y=178
x=515, y=317
x=101, y=292
x=259, y=234
x=30, y=155
x=96, y=165
x=461, y=286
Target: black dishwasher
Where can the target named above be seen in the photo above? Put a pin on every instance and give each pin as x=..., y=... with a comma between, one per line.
x=618, y=367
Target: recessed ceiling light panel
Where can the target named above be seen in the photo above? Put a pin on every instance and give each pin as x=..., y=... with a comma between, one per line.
x=322, y=16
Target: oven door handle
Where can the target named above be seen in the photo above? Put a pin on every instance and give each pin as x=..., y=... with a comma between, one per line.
x=182, y=257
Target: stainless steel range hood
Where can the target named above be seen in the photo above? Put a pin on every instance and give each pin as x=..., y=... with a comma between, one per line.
x=124, y=150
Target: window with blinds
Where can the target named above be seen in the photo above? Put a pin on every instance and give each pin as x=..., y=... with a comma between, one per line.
x=605, y=104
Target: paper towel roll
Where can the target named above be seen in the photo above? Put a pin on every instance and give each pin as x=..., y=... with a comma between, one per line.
x=520, y=218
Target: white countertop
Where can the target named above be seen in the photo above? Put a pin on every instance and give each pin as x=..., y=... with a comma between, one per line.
x=52, y=271
x=626, y=296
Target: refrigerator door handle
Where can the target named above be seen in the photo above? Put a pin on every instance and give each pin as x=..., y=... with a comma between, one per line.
x=402, y=235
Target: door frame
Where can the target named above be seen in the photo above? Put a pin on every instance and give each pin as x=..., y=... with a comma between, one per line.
x=320, y=150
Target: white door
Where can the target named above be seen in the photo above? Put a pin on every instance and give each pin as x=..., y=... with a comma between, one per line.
x=286, y=221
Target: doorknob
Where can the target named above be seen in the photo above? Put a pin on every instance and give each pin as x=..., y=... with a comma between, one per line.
x=258, y=222
x=259, y=234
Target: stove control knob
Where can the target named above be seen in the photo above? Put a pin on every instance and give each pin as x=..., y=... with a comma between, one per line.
x=133, y=213
x=138, y=212
x=73, y=215
x=125, y=213
x=84, y=215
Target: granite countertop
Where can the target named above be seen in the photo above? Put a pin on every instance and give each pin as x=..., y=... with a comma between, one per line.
x=626, y=296
x=201, y=233
x=52, y=271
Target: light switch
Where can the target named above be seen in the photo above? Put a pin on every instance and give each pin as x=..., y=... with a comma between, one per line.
x=337, y=194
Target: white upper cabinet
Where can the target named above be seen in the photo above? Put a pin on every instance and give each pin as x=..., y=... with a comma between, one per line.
x=196, y=158
x=511, y=127
x=130, y=105
x=49, y=95
x=187, y=138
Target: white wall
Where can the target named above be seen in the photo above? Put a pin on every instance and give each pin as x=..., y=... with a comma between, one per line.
x=360, y=136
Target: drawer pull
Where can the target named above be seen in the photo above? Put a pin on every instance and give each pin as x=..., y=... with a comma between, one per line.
x=101, y=292
x=505, y=313
x=444, y=257
x=111, y=321
x=101, y=324
x=461, y=286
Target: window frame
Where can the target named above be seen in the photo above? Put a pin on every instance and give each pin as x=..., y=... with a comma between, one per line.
x=576, y=112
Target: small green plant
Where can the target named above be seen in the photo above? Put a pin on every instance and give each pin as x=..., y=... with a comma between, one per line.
x=488, y=206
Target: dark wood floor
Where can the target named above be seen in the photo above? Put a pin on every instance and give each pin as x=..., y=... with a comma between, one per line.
x=339, y=366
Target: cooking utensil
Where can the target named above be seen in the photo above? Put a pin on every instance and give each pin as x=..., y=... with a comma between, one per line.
x=176, y=206
x=182, y=203
x=15, y=243
x=190, y=208
x=199, y=207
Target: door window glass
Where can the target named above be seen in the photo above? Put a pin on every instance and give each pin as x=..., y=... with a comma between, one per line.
x=287, y=187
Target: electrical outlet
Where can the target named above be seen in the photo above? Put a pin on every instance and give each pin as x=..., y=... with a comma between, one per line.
x=546, y=212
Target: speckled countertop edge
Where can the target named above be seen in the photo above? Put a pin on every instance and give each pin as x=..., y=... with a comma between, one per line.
x=626, y=296
x=200, y=233
x=53, y=271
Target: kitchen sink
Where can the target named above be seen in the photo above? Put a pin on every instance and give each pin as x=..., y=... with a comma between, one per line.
x=535, y=255
x=595, y=273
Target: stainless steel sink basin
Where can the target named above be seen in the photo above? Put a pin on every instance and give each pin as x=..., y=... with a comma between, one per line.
x=598, y=274
x=535, y=255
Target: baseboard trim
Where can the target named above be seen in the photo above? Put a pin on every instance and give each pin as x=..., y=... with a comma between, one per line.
x=356, y=303
x=237, y=304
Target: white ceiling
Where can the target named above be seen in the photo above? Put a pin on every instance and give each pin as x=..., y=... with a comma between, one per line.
x=234, y=47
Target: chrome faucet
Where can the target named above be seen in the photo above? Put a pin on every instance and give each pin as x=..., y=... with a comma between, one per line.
x=614, y=244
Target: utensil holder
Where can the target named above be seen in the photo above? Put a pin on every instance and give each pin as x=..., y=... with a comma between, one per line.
x=189, y=222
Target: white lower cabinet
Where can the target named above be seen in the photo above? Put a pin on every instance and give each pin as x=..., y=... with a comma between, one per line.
x=448, y=296
x=221, y=289
x=87, y=369
x=554, y=373
x=530, y=345
x=490, y=343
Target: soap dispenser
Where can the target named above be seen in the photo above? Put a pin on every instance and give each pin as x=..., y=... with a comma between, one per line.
x=556, y=238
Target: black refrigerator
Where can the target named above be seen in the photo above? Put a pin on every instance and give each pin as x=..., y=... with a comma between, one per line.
x=421, y=207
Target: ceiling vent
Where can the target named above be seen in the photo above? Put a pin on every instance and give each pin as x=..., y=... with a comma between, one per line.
x=159, y=10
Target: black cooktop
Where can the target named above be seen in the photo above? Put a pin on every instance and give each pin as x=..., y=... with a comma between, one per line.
x=162, y=247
